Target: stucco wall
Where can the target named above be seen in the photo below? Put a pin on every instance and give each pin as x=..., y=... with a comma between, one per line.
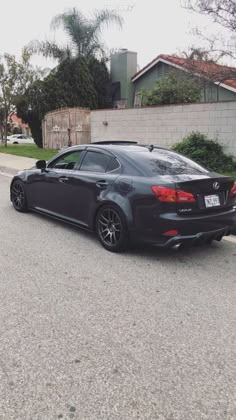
x=166, y=125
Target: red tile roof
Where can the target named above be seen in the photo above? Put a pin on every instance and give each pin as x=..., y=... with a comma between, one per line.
x=18, y=121
x=212, y=71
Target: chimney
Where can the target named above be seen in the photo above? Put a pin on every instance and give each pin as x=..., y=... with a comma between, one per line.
x=123, y=67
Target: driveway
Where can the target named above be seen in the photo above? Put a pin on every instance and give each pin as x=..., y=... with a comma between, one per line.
x=86, y=334
x=13, y=164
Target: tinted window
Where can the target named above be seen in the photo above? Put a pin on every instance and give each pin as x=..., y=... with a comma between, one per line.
x=165, y=162
x=95, y=162
x=113, y=165
x=67, y=161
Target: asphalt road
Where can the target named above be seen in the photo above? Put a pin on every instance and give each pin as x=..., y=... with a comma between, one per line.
x=86, y=334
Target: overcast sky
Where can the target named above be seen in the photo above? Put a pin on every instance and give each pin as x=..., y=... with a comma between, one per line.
x=151, y=27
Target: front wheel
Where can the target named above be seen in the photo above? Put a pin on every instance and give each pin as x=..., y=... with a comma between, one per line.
x=18, y=196
x=111, y=229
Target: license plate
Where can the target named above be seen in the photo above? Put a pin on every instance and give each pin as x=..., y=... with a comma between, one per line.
x=212, y=200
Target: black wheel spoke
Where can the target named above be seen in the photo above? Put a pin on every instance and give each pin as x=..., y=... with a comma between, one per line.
x=105, y=219
x=109, y=225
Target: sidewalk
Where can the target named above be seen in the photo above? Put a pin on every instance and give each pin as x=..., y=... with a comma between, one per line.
x=12, y=164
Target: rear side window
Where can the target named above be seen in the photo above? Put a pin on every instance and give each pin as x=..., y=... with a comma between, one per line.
x=165, y=162
x=95, y=162
x=113, y=165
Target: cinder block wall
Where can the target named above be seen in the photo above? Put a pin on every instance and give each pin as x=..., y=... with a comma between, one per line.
x=166, y=125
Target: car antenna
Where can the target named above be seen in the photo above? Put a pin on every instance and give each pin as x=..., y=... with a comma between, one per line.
x=150, y=148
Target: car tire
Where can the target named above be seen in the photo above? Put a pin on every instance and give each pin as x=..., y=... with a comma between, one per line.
x=18, y=196
x=111, y=229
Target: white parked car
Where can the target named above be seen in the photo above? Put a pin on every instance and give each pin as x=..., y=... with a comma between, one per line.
x=20, y=139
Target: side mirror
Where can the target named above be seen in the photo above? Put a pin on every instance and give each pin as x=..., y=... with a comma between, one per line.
x=41, y=164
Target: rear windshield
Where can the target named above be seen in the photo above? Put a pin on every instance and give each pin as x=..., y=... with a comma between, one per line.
x=165, y=162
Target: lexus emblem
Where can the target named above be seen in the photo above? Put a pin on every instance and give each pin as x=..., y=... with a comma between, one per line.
x=216, y=185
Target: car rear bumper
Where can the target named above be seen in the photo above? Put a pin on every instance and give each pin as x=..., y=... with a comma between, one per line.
x=191, y=229
x=199, y=238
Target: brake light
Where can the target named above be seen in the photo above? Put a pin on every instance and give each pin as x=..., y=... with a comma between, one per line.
x=170, y=195
x=232, y=192
x=185, y=197
x=164, y=194
x=171, y=233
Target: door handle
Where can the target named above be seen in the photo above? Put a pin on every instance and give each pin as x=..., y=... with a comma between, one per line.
x=102, y=184
x=63, y=179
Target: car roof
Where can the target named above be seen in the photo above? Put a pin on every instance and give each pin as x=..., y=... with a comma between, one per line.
x=119, y=147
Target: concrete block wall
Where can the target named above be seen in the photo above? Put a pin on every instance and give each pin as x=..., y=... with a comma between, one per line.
x=166, y=125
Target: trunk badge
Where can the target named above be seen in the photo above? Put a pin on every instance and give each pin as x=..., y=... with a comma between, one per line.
x=216, y=185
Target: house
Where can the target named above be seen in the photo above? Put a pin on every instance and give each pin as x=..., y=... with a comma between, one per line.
x=17, y=126
x=218, y=82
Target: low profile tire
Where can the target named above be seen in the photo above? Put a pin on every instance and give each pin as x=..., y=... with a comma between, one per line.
x=111, y=229
x=18, y=196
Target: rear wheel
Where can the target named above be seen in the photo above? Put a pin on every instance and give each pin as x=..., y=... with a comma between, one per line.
x=111, y=229
x=18, y=196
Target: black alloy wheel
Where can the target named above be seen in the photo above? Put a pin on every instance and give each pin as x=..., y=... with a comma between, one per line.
x=18, y=196
x=111, y=229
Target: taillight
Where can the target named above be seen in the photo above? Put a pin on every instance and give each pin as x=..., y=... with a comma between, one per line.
x=171, y=233
x=165, y=194
x=185, y=197
x=170, y=195
x=232, y=192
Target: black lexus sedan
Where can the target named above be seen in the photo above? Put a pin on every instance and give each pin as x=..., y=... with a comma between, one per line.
x=130, y=193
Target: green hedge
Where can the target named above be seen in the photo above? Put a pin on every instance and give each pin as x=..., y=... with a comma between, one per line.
x=206, y=152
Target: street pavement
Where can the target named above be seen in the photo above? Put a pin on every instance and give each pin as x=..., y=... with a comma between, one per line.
x=86, y=334
x=12, y=164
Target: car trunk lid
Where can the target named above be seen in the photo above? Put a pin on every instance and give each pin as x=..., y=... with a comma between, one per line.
x=211, y=193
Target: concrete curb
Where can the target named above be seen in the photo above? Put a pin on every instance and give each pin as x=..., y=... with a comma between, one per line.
x=6, y=170
x=6, y=175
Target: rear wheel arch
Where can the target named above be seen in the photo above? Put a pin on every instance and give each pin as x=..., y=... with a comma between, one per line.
x=111, y=227
x=107, y=204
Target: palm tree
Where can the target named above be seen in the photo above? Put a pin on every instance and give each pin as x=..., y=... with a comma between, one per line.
x=84, y=35
x=199, y=54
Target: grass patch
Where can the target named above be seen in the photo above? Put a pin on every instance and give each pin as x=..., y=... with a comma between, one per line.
x=28, y=150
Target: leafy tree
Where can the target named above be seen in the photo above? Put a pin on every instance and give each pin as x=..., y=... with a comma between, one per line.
x=1, y=123
x=173, y=89
x=14, y=78
x=84, y=35
x=74, y=83
x=101, y=82
x=200, y=55
x=81, y=79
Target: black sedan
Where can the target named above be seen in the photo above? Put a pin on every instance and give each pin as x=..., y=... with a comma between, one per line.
x=127, y=192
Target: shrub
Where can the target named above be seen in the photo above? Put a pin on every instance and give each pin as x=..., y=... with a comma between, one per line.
x=173, y=89
x=206, y=152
